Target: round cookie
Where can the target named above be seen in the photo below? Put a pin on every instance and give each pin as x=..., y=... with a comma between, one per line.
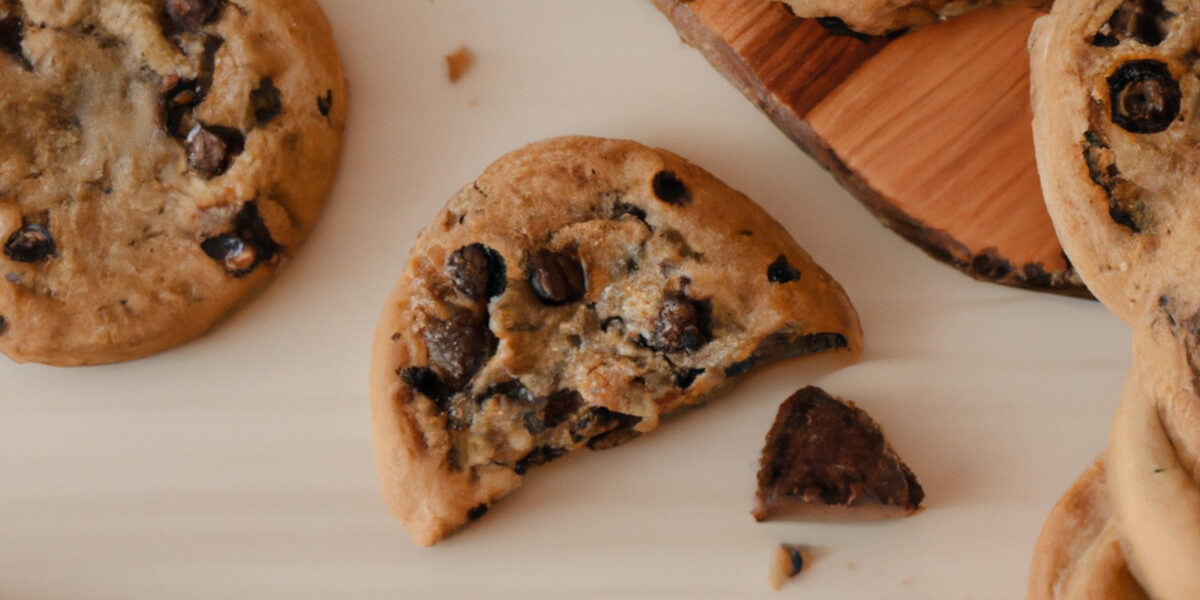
x=1115, y=91
x=159, y=161
x=573, y=293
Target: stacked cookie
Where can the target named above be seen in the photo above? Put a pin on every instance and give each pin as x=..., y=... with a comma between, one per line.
x=1115, y=93
x=159, y=161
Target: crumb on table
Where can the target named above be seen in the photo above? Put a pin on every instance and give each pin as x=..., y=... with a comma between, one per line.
x=458, y=63
x=786, y=562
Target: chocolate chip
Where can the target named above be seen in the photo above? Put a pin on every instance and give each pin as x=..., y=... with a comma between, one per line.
x=423, y=380
x=681, y=325
x=180, y=97
x=32, y=243
x=266, y=101
x=1145, y=98
x=457, y=347
x=538, y=456
x=558, y=407
x=740, y=367
x=669, y=189
x=190, y=15
x=3, y=325
x=477, y=511
x=556, y=277
x=211, y=148
x=477, y=271
x=12, y=33
x=685, y=379
x=248, y=245
x=620, y=209
x=781, y=271
x=1140, y=20
x=325, y=103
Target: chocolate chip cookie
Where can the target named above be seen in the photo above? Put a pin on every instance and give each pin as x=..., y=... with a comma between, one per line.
x=1115, y=91
x=573, y=293
x=158, y=161
x=882, y=17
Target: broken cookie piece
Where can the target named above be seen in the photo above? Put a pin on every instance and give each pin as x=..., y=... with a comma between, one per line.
x=826, y=459
x=569, y=296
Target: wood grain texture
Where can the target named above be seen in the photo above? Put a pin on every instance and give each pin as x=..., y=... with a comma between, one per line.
x=930, y=130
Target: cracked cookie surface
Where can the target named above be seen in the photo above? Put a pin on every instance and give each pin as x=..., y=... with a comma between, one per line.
x=158, y=160
x=573, y=293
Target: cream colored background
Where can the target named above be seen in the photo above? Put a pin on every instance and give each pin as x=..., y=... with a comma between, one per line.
x=239, y=466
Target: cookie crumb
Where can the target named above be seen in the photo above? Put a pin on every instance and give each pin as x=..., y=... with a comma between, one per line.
x=458, y=63
x=787, y=562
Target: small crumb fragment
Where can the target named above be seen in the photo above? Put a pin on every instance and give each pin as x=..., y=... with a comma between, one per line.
x=787, y=562
x=458, y=63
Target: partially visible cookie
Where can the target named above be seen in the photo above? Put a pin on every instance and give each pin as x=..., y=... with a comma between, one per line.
x=827, y=459
x=882, y=17
x=158, y=161
x=573, y=293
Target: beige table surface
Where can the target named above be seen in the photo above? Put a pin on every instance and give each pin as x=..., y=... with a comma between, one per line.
x=240, y=466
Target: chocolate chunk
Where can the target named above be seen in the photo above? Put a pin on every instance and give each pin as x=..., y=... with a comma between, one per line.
x=538, y=456
x=477, y=271
x=32, y=243
x=620, y=209
x=1144, y=96
x=781, y=271
x=682, y=325
x=248, y=245
x=556, y=277
x=190, y=15
x=425, y=381
x=685, y=379
x=266, y=101
x=559, y=406
x=325, y=103
x=740, y=367
x=457, y=347
x=211, y=148
x=12, y=33
x=1140, y=20
x=824, y=451
x=669, y=189
x=477, y=511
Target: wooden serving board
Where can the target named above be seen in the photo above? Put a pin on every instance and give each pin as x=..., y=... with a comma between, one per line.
x=930, y=129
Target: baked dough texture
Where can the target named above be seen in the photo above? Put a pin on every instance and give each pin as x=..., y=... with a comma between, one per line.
x=574, y=292
x=158, y=161
x=1118, y=146
x=883, y=17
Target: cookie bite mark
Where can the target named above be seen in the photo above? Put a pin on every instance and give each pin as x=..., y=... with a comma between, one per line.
x=211, y=149
x=30, y=244
x=669, y=188
x=1144, y=96
x=266, y=101
x=1141, y=20
x=246, y=246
